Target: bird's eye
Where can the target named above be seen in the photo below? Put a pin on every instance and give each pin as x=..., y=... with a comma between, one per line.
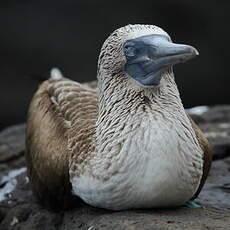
x=129, y=50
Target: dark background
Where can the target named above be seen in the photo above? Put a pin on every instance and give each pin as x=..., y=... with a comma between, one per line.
x=37, y=35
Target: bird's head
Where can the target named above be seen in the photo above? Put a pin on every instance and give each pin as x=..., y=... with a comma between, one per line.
x=143, y=53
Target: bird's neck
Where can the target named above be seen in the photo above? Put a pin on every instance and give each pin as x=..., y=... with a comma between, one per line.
x=120, y=94
x=123, y=105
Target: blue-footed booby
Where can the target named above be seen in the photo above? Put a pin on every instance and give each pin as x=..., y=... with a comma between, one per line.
x=127, y=144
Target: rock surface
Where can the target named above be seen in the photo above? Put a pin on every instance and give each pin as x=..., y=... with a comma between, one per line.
x=19, y=209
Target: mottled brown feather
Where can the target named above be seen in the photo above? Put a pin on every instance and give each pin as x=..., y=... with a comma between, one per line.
x=207, y=158
x=54, y=120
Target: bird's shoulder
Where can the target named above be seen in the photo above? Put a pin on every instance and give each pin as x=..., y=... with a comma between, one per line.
x=75, y=101
x=78, y=105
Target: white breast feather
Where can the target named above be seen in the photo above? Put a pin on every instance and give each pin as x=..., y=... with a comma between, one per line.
x=157, y=165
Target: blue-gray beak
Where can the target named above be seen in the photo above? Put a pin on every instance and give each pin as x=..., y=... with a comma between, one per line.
x=148, y=57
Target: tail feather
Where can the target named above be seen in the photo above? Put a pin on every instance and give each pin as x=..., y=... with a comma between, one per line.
x=56, y=74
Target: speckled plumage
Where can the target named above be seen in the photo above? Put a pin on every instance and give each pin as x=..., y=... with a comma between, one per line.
x=119, y=147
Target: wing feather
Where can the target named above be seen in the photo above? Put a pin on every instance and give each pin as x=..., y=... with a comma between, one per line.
x=62, y=114
x=207, y=157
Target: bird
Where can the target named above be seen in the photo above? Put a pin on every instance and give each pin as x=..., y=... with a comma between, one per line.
x=127, y=143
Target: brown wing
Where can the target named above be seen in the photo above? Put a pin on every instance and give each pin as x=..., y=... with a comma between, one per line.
x=207, y=155
x=56, y=110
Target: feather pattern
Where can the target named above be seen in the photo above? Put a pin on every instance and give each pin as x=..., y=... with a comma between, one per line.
x=119, y=146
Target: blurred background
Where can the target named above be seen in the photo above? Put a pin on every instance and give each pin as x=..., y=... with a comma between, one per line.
x=38, y=35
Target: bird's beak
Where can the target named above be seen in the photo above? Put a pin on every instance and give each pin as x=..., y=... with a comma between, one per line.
x=148, y=57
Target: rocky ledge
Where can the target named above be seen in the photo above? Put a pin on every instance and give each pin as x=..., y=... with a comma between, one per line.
x=19, y=209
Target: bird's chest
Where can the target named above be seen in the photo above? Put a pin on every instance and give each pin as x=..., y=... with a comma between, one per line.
x=160, y=164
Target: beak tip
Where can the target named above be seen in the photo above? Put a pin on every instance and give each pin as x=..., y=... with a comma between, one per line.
x=196, y=52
